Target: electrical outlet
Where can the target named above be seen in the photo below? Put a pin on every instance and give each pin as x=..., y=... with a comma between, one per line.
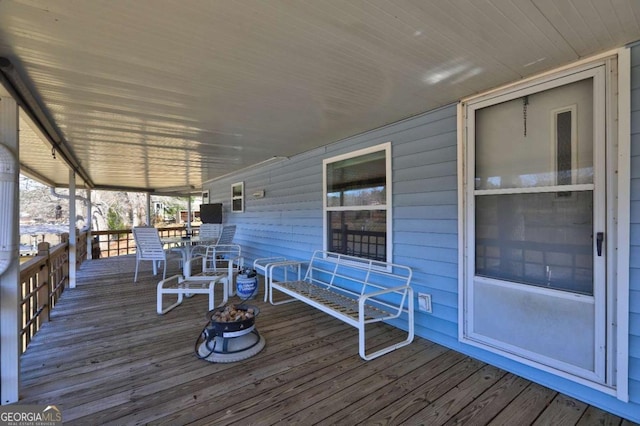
x=424, y=302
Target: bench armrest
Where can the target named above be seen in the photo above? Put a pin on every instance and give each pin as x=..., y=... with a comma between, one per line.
x=261, y=262
x=403, y=290
x=285, y=263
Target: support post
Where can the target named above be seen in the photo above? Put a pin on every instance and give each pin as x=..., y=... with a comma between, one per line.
x=10, y=277
x=189, y=233
x=149, y=221
x=89, y=226
x=72, y=230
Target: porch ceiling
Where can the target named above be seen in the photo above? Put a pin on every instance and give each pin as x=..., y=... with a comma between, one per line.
x=157, y=94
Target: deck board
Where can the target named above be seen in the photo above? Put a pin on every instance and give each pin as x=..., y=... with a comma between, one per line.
x=106, y=357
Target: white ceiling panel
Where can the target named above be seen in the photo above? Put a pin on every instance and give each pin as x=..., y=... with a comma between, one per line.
x=155, y=94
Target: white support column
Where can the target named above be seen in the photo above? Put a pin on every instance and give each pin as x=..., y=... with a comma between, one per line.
x=149, y=222
x=89, y=226
x=189, y=215
x=10, y=277
x=73, y=237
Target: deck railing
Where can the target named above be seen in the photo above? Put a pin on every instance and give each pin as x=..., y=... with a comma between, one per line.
x=120, y=242
x=44, y=277
x=42, y=281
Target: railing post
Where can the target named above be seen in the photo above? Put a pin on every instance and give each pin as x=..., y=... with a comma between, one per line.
x=45, y=293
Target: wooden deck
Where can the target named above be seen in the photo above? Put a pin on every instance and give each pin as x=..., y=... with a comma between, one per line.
x=108, y=358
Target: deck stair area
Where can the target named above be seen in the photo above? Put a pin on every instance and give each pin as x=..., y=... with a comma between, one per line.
x=107, y=357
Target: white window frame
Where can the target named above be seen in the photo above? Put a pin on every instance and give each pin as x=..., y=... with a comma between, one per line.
x=618, y=205
x=386, y=147
x=237, y=197
x=573, y=109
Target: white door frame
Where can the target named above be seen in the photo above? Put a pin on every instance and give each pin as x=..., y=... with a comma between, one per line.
x=618, y=218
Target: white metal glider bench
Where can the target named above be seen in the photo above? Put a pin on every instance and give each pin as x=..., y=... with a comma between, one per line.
x=354, y=290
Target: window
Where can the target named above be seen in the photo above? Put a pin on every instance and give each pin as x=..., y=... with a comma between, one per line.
x=357, y=203
x=522, y=232
x=237, y=197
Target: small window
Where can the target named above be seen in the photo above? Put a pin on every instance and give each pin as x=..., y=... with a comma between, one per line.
x=237, y=197
x=357, y=203
x=565, y=138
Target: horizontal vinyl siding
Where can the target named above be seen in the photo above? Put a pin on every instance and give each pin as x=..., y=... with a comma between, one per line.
x=634, y=273
x=288, y=220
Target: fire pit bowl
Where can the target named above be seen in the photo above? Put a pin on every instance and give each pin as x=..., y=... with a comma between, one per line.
x=232, y=318
x=230, y=334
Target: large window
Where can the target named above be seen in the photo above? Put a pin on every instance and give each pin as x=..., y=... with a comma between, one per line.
x=357, y=203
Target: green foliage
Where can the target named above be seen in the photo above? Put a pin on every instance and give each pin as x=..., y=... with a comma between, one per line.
x=115, y=220
x=172, y=210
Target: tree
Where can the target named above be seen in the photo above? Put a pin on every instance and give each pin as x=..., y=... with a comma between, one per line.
x=110, y=209
x=114, y=219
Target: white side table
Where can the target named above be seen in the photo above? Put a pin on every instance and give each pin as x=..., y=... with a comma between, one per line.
x=266, y=265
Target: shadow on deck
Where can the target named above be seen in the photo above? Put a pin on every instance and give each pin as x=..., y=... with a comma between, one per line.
x=106, y=357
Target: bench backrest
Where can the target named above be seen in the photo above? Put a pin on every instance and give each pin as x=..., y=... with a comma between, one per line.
x=354, y=275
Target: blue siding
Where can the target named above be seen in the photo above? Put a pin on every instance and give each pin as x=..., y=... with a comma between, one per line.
x=288, y=222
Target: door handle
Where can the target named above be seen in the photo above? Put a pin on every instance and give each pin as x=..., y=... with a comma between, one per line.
x=599, y=241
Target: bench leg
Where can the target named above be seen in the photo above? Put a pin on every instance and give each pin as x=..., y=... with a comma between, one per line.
x=279, y=302
x=387, y=349
x=268, y=281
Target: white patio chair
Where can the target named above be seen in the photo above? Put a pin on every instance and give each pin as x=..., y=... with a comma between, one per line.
x=223, y=254
x=220, y=264
x=222, y=257
x=209, y=234
x=225, y=258
x=149, y=247
x=227, y=234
